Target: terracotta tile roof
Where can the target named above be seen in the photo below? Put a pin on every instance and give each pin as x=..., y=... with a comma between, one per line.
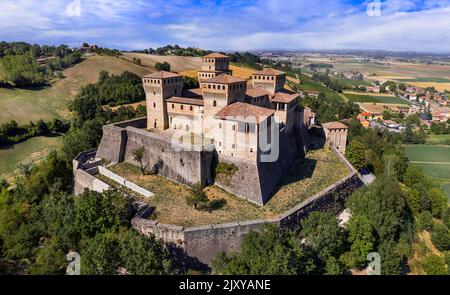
x=244, y=112
x=185, y=100
x=270, y=72
x=224, y=79
x=256, y=92
x=162, y=74
x=215, y=55
x=192, y=93
x=334, y=125
x=284, y=97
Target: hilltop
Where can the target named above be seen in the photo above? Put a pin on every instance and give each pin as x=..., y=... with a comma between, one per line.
x=50, y=102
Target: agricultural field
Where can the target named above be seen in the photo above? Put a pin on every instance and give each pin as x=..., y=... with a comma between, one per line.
x=386, y=99
x=178, y=63
x=320, y=169
x=30, y=151
x=307, y=84
x=434, y=160
x=436, y=139
x=25, y=105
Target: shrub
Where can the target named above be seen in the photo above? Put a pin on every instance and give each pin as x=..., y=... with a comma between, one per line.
x=440, y=237
x=434, y=265
x=198, y=199
x=226, y=168
x=426, y=220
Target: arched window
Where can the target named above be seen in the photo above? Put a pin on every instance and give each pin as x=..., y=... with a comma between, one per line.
x=214, y=103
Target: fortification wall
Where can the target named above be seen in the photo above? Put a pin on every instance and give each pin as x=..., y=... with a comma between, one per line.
x=114, y=139
x=206, y=242
x=186, y=167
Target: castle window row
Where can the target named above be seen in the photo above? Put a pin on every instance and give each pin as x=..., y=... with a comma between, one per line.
x=203, y=75
x=211, y=60
x=222, y=87
x=191, y=108
x=265, y=77
x=166, y=81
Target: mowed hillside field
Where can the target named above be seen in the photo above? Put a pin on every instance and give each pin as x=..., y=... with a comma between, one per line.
x=434, y=160
x=50, y=102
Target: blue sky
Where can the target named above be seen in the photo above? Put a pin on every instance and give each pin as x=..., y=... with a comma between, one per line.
x=411, y=25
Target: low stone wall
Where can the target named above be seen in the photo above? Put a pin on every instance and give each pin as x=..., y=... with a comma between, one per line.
x=205, y=242
x=122, y=181
x=85, y=180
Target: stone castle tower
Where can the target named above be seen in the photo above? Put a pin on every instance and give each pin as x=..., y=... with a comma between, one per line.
x=270, y=79
x=159, y=86
x=213, y=65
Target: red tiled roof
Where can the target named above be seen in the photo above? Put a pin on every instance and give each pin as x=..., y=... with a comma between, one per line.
x=256, y=92
x=162, y=74
x=284, y=97
x=244, y=112
x=270, y=72
x=185, y=100
x=224, y=79
x=192, y=93
x=215, y=55
x=334, y=125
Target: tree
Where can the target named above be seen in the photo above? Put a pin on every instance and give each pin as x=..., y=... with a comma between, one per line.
x=434, y=265
x=100, y=255
x=440, y=237
x=267, y=253
x=361, y=239
x=355, y=154
x=165, y=66
x=99, y=212
x=143, y=255
x=323, y=234
x=138, y=156
x=438, y=202
x=384, y=205
x=426, y=220
x=198, y=198
x=391, y=261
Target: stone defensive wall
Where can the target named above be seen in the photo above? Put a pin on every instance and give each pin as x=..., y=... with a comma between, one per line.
x=205, y=242
x=120, y=140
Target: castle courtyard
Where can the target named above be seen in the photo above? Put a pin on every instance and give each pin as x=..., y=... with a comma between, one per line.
x=318, y=170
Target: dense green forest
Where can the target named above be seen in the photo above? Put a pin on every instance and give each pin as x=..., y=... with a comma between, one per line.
x=109, y=90
x=19, y=65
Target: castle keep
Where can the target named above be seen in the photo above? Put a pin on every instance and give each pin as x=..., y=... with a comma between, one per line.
x=256, y=126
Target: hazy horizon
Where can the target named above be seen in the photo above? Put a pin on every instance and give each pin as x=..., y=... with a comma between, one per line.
x=225, y=25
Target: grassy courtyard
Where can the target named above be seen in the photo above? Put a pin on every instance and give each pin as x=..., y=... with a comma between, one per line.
x=320, y=169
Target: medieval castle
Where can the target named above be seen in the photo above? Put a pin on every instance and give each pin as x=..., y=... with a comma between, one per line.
x=259, y=128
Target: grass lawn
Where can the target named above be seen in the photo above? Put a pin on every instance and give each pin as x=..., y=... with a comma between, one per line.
x=24, y=105
x=374, y=98
x=34, y=149
x=170, y=197
x=434, y=160
x=438, y=139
